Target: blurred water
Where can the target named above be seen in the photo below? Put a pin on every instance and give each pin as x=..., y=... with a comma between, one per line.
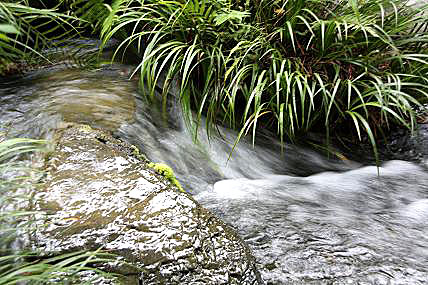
x=40, y=102
x=352, y=227
x=307, y=218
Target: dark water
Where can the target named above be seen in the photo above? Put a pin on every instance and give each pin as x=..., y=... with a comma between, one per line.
x=307, y=218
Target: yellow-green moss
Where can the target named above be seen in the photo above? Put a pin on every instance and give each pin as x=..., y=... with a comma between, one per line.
x=167, y=172
x=136, y=152
x=85, y=128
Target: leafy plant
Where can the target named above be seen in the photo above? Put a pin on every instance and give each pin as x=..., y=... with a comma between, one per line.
x=26, y=30
x=65, y=269
x=294, y=66
x=32, y=33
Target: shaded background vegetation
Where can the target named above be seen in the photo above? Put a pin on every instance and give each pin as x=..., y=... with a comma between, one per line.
x=348, y=68
x=342, y=67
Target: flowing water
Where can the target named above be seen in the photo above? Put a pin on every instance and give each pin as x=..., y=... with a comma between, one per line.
x=307, y=218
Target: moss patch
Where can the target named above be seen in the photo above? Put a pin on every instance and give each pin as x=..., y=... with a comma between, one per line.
x=86, y=128
x=167, y=172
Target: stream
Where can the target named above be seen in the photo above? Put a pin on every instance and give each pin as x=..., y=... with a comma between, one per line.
x=308, y=219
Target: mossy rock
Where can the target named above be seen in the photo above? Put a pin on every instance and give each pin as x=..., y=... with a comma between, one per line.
x=99, y=194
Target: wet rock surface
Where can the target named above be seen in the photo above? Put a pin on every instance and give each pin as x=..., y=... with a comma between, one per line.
x=407, y=146
x=399, y=144
x=99, y=195
x=402, y=144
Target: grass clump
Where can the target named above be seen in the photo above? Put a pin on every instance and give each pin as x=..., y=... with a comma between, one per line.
x=294, y=66
x=32, y=32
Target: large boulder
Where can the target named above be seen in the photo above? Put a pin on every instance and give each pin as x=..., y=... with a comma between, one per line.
x=100, y=194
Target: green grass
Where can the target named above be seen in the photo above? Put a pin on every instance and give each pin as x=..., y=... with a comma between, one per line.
x=29, y=28
x=346, y=68
x=340, y=67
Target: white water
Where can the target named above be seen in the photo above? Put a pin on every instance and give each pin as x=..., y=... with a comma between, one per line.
x=308, y=219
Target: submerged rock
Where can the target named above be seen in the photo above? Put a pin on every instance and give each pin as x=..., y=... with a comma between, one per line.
x=99, y=194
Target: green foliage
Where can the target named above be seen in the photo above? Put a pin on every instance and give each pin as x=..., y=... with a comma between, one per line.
x=92, y=12
x=25, y=30
x=167, y=172
x=12, y=147
x=62, y=269
x=25, y=267
x=33, y=33
x=294, y=65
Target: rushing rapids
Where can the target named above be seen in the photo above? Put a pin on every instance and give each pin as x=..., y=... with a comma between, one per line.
x=308, y=219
